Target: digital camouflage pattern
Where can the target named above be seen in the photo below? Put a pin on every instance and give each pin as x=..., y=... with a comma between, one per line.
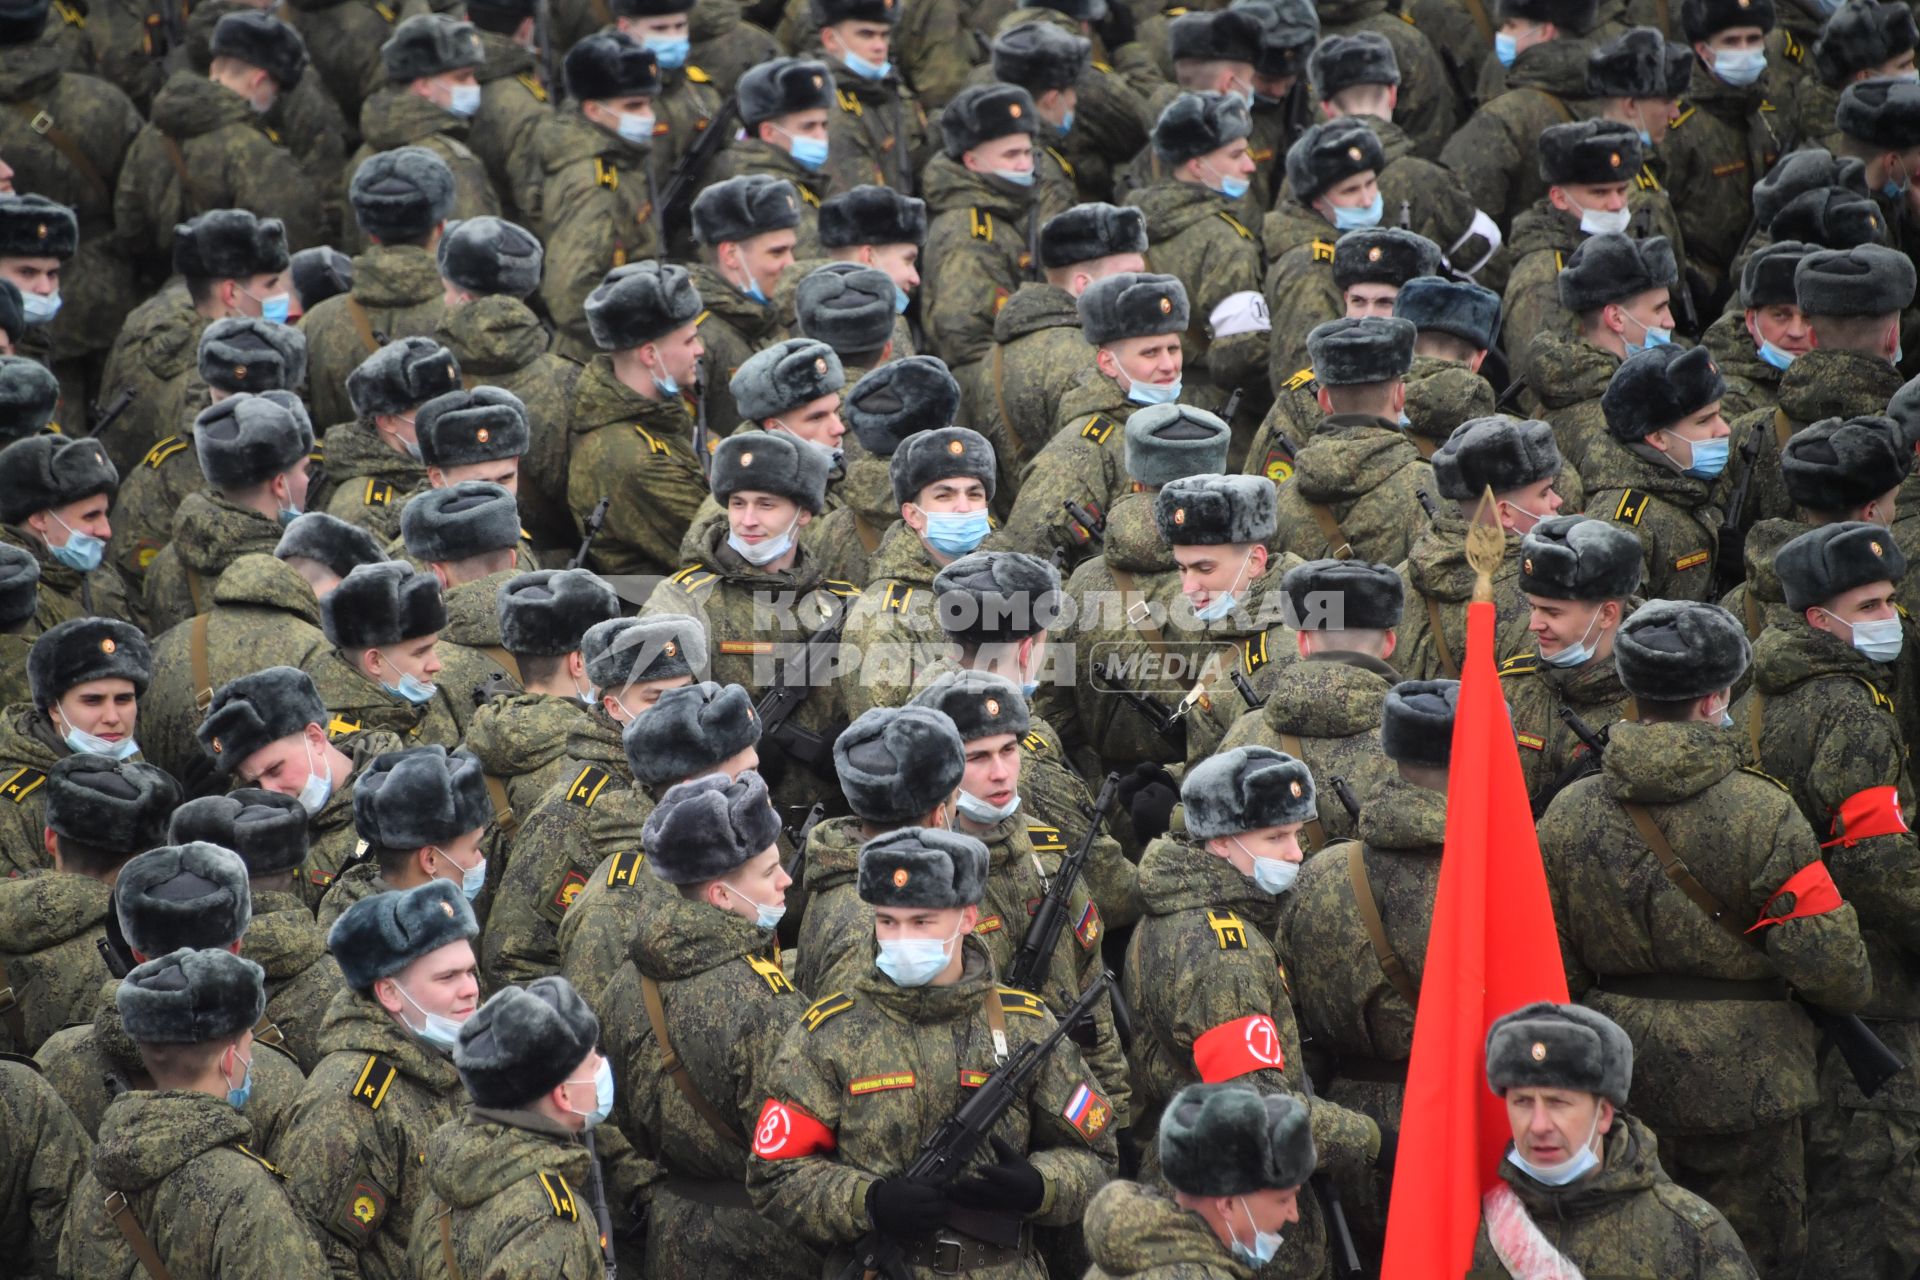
x=1753, y=385
x=302, y=977
x=1138, y=1231
x=48, y=926
x=521, y=739
x=1037, y=351
x=1722, y=140
x=210, y=531
x=725, y=45
x=595, y=931
x=980, y=237
x=1566, y=378
x=469, y=648
x=639, y=452
x=398, y=291
x=371, y=480
x=360, y=703
x=54, y=1154
x=1676, y=517
x=893, y=625
x=732, y=327
x=143, y=510
x=1493, y=153
x=1085, y=462
x=1192, y=234
x=343, y=38
x=394, y=116
x=1535, y=691
x=844, y=538
x=1365, y=473
x=1439, y=585
x=1442, y=394
x=513, y=104
x=331, y=839
x=750, y=156
x=65, y=592
x=877, y=131
x=28, y=748
x=157, y=355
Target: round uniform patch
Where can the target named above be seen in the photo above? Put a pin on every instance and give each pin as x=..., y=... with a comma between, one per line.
x=1877, y=550
x=364, y=1208
x=1526, y=566
x=1179, y=515
x=746, y=459
x=1539, y=1051
x=217, y=748
x=1297, y=790
x=483, y=435
x=1166, y=306
x=993, y=706
x=448, y=908
x=669, y=649
x=956, y=448
x=107, y=645
x=900, y=878
x=1373, y=254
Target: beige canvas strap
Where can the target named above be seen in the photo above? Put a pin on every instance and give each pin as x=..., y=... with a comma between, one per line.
x=503, y=817
x=1750, y=606
x=446, y=1243
x=1138, y=614
x=1316, y=831
x=189, y=198
x=505, y=661
x=1000, y=401
x=1756, y=717
x=197, y=655
x=42, y=123
x=1330, y=530
x=1782, y=429
x=362, y=325
x=1566, y=116
x=671, y=1064
x=1477, y=10
x=869, y=536
x=1677, y=871
x=122, y=1214
x=1441, y=648
x=195, y=591
x=1369, y=907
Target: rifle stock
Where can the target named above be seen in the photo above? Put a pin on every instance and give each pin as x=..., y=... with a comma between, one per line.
x=106, y=417
x=590, y=531
x=1030, y=964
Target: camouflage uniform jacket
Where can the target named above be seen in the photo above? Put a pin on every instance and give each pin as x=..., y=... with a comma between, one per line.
x=876, y=130
x=1752, y=384
x=1084, y=461
x=394, y=117
x=157, y=355
x=1566, y=378
x=14, y=646
x=1288, y=424
x=979, y=249
x=471, y=669
x=207, y=1199
x=1722, y=141
x=28, y=748
x=513, y=103
x=844, y=538
x=359, y=703
x=639, y=453
x=834, y=911
x=1627, y=1217
x=66, y=592
x=1038, y=349
x=893, y=626
x=1056, y=797
x=879, y=1066
x=1676, y=516
x=593, y=208
x=1426, y=108
x=344, y=37
x=1439, y=585
x=597, y=928
x=515, y=1187
x=1138, y=1232
x=1790, y=53
x=752, y=156
x=1191, y=234
x=1707, y=1066
x=302, y=978
x=1535, y=691
x=399, y=293
x=210, y=531
x=521, y=739
x=1442, y=394
x=732, y=327
x=151, y=490
x=684, y=106
x=52, y=1154
x=1325, y=711
x=359, y=878
x=358, y=1132
x=726, y=1007
x=1347, y=1006
x=1362, y=473
x=1299, y=286
x=725, y=45
x=1493, y=153
x=332, y=841
x=48, y=926
x=371, y=480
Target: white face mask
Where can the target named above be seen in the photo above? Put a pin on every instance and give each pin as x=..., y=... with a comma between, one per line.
x=1577, y=654
x=1600, y=222
x=978, y=810
x=1878, y=639
x=80, y=742
x=439, y=1030
x=315, y=791
x=914, y=962
x=1572, y=1169
x=764, y=917
x=767, y=550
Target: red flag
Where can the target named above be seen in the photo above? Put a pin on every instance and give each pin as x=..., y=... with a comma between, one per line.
x=1492, y=949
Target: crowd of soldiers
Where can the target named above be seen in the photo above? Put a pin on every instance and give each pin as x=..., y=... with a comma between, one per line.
x=751, y=639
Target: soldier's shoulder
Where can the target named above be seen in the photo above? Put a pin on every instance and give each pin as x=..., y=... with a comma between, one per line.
x=830, y=1016
x=1519, y=666
x=1693, y=1213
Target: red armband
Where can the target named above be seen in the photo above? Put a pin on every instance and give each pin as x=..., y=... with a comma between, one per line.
x=1810, y=891
x=785, y=1132
x=1235, y=1048
x=1865, y=814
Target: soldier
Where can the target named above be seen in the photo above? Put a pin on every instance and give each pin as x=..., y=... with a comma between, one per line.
x=687, y=101
x=236, y=354
x=19, y=601
x=596, y=181
x=268, y=831
x=1325, y=710
x=1645, y=951
x=1332, y=172
x=1876, y=121
x=1518, y=460
x=383, y=622
x=745, y=227
x=1633, y=78
x=877, y=227
x=421, y=814
x=1861, y=40
x=725, y=45
x=55, y=1149
x=490, y=268
x=632, y=419
x=894, y=401
x=479, y=436
x=1564, y=1071
x=374, y=459
x=784, y=105
x=877, y=129
x=829, y=1156
x=693, y=1020
x=318, y=274
x=1356, y=483
x=514, y=99
x=386, y=1082
x=190, y=1014
x=1235, y=1161
x=253, y=451
x=347, y=35
x=55, y=487
x=99, y=813
x=466, y=535
x=1756, y=342
x=1457, y=323
x=852, y=309
x=86, y=677
x=29, y=394
x=399, y=199
x=269, y=730
x=505, y=1179
x=1038, y=345
x=1050, y=64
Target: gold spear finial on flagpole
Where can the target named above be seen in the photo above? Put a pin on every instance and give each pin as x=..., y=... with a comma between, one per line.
x=1486, y=545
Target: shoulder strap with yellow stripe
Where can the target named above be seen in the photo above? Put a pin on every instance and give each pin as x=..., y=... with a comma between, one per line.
x=1099, y=428
x=1253, y=653
x=1520, y=664
x=1632, y=506
x=981, y=223
x=165, y=449
x=21, y=783
x=1234, y=222
x=1300, y=379
x=1323, y=251
x=896, y=598
x=624, y=869
x=587, y=786
x=378, y=494
x=1022, y=1002
x=375, y=1078
x=825, y=1007
x=559, y=1196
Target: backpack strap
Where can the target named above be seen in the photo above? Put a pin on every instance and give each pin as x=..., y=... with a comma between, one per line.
x=41, y=123
x=671, y=1064
x=10, y=1012
x=123, y=1217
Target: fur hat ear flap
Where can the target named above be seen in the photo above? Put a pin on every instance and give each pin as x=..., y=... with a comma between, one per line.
x=922, y=867
x=1560, y=1046
x=1246, y=789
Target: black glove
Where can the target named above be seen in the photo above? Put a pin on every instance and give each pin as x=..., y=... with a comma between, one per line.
x=1011, y=1186
x=1117, y=28
x=1129, y=1152
x=1149, y=794
x=1389, y=1153
x=907, y=1206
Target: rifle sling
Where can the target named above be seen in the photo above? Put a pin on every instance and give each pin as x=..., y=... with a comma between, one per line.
x=361, y=324
x=446, y=1243
x=1756, y=715
x=64, y=143
x=1678, y=872
x=506, y=661
x=1369, y=907
x=503, y=817
x=11, y=1013
x=1756, y=622
x=197, y=655
x=1782, y=429
x=1316, y=830
x=1144, y=624
x=869, y=536
x=671, y=1064
x=1018, y=447
x=1441, y=648
x=1477, y=10
x=195, y=589
x=1338, y=546
x=123, y=1217
x=189, y=198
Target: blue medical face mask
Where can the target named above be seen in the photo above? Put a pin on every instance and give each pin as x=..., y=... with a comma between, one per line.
x=80, y=742
x=1065, y=126
x=440, y=1031
x=901, y=301
x=237, y=1094
x=1709, y=457
x=663, y=382
x=275, y=307
x=1577, y=654
x=1224, y=603
x=1505, y=48
x=914, y=962
x=1739, y=67
x=635, y=127
x=81, y=551
x=1265, y=1243
x=318, y=787
x=1018, y=177
x=809, y=153
x=753, y=289
x=1893, y=188
x=764, y=916
x=669, y=51
x=955, y=533
x=1572, y=1169
x=1345, y=219
x=977, y=810
x=472, y=879
x=1775, y=356
x=39, y=309
x=1271, y=875
x=463, y=100
x=602, y=1095
x=864, y=69
x=410, y=686
x=1231, y=186
x=1147, y=393
x=1653, y=337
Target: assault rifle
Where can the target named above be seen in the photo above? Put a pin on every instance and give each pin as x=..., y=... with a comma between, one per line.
x=1035, y=956
x=1348, y=800
x=590, y=530
x=104, y=418
x=676, y=198
x=1169, y=726
x=1096, y=526
x=1730, y=563
x=784, y=696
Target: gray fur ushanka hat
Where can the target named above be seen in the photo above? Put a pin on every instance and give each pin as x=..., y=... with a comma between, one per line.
x=524, y=1042
x=707, y=827
x=923, y=867
x=896, y=763
x=1229, y=1139
x=380, y=935
x=1560, y=1046
x=1246, y=789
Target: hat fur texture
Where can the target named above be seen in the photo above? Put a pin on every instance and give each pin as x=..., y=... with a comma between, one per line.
x=771, y=462
x=1572, y=17
x=35, y=227
x=320, y=273
x=980, y=704
x=1654, y=389
x=1835, y=558
x=378, y=936
x=1460, y=308
x=1205, y=511
x=459, y=522
x=46, y=471
x=1382, y=255
x=1613, y=268
x=1133, y=304
x=660, y=646
x=980, y=113
x=420, y=796
x=267, y=829
x=524, y=1042
x=380, y=604
x=328, y=540
x=941, y=453
x=183, y=895
x=783, y=86
x=1580, y=558
x=255, y=711
x=896, y=763
x=117, y=805
x=1328, y=154
x=19, y=585
x=744, y=207
x=1168, y=442
x=1090, y=232
x=783, y=377
x=1230, y=1139
x=898, y=399
x=847, y=306
x=229, y=244
x=690, y=731
x=1838, y=464
x=610, y=64
x=1356, y=352
x=1866, y=280
x=871, y=215
x=402, y=376
x=708, y=827
x=923, y=867
x=461, y=428
x=639, y=303
x=1589, y=153
x=430, y=44
x=1830, y=218
x=401, y=195
x=1039, y=56
x=1341, y=62
x=1705, y=19
x=1560, y=1046
x=1767, y=279
x=1679, y=650
x=241, y=353
x=191, y=997
x=1416, y=723
x=487, y=255
x=1631, y=65
x=78, y=650
x=548, y=612
x=246, y=440
x=1246, y=789
x=261, y=40
x=1882, y=113
x=1197, y=124
x=1500, y=453
x=1342, y=595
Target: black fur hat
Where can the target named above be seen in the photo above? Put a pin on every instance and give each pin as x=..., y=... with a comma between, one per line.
x=330, y=541
x=402, y=376
x=1168, y=442
x=490, y=255
x=661, y=646
x=429, y=44
x=183, y=895
x=1560, y=1046
x=896, y=763
x=1678, y=650
x=1572, y=17
x=1500, y=453
x=1246, y=789
x=382, y=603
x=1382, y=255
x=741, y=208
x=1579, y=558
x=458, y=522
x=1195, y=124
x=650, y=8
x=35, y=227
x=782, y=86
x=1461, y=308
x=81, y=649
x=690, y=731
x=1705, y=19
x=1797, y=172
x=1133, y=304
x=1589, y=153
x=847, y=306
x=871, y=215
x=191, y=997
x=923, y=867
x=378, y=936
x=261, y=40
x=639, y=303
x=1078, y=10
x=320, y=273
x=940, y=453
x=1767, y=279
x=1230, y=1139
x=420, y=796
x=524, y=1042
x=1830, y=218
x=1880, y=113
x=402, y=194
x=1039, y=56
x=1218, y=35
x=268, y=830
x=1342, y=61
x=46, y=471
x=247, y=440
x=460, y=428
x=1328, y=154
x=979, y=703
x=1288, y=31
x=240, y=353
x=29, y=395
x=1866, y=280
x=707, y=827
x=19, y=585
x=1613, y=268
x=828, y=12
x=771, y=462
x=1210, y=511
x=13, y=319
x=117, y=805
x=980, y=113
x=1631, y=65
x=1837, y=464
x=1089, y=232
x=997, y=597
x=1655, y=388
x=781, y=378
x=547, y=613
x=1860, y=35
x=229, y=244
x=1349, y=352
x=610, y=64
x=899, y=398
x=1342, y=595
x=255, y=711
x=1416, y=723
x=23, y=21
x=1904, y=409
x=1826, y=561
x=1680, y=64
